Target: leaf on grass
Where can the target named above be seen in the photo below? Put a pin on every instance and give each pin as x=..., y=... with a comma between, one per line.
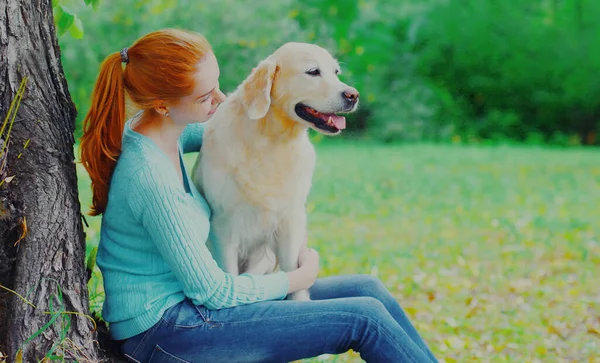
x=593, y=330
x=520, y=285
x=410, y=310
x=553, y=330
x=455, y=342
x=541, y=350
x=451, y=322
x=474, y=307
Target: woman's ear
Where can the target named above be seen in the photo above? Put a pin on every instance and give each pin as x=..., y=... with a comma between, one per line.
x=256, y=89
x=160, y=107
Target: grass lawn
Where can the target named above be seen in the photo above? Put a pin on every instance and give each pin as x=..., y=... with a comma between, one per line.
x=493, y=251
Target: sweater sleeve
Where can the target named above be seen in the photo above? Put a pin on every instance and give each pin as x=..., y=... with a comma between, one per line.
x=191, y=138
x=178, y=226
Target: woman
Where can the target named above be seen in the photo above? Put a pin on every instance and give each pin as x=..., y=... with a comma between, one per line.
x=166, y=298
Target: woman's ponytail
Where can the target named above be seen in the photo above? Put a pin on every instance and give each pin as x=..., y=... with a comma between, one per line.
x=103, y=130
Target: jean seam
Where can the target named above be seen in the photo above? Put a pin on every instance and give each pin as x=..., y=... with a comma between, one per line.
x=206, y=318
x=205, y=321
x=169, y=354
x=183, y=326
x=144, y=338
x=131, y=358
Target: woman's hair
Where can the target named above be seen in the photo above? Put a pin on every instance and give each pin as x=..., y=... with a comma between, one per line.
x=158, y=66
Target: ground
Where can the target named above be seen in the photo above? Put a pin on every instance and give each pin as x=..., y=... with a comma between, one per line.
x=493, y=251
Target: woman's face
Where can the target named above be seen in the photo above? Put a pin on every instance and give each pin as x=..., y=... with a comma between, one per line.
x=202, y=103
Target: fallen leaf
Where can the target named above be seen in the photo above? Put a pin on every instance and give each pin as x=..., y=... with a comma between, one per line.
x=593, y=330
x=451, y=322
x=410, y=310
x=455, y=343
x=553, y=330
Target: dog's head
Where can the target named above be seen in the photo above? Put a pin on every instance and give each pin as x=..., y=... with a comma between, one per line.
x=301, y=81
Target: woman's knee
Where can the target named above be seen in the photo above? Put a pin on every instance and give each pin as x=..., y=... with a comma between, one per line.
x=372, y=286
x=369, y=316
x=369, y=308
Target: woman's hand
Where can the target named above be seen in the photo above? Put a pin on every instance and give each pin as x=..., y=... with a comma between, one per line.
x=308, y=258
x=308, y=270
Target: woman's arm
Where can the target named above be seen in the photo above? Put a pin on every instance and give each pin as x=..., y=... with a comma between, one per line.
x=306, y=274
x=178, y=227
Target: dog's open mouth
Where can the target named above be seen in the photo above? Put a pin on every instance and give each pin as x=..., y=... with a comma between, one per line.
x=329, y=122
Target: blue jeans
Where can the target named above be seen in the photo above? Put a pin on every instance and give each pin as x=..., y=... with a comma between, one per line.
x=347, y=312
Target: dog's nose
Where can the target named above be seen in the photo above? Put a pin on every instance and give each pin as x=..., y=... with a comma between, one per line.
x=351, y=95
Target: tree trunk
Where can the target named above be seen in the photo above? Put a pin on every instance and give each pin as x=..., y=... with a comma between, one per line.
x=47, y=265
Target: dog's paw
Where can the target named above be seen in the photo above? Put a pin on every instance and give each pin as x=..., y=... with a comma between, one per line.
x=301, y=295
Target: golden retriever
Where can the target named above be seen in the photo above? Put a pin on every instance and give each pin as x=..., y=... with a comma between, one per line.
x=256, y=163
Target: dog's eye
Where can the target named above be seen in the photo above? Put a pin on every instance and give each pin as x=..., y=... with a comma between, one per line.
x=314, y=72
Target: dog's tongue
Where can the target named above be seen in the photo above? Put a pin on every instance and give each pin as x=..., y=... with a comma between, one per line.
x=338, y=121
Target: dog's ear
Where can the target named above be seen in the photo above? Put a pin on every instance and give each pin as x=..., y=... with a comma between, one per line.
x=256, y=89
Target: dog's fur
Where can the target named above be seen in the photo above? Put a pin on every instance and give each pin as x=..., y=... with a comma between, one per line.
x=256, y=162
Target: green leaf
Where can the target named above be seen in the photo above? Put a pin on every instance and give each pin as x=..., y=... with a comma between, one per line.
x=64, y=19
x=94, y=3
x=91, y=262
x=76, y=29
x=46, y=326
x=58, y=13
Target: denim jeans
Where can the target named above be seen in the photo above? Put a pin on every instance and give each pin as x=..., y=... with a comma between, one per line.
x=346, y=312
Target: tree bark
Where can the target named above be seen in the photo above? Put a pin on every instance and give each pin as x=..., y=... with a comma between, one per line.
x=42, y=198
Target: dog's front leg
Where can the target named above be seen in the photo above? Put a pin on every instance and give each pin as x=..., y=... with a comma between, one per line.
x=223, y=247
x=291, y=237
x=230, y=259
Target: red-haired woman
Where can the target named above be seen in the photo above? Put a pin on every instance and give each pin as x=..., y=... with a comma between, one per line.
x=167, y=300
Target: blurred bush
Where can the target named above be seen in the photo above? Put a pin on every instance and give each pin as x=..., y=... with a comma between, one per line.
x=516, y=68
x=434, y=70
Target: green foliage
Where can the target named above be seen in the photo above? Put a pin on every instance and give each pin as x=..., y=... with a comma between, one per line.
x=369, y=37
x=473, y=70
x=516, y=67
x=66, y=20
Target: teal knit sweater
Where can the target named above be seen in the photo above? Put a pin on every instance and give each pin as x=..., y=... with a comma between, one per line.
x=152, y=251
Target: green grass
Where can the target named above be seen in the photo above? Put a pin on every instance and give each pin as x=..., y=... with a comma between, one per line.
x=494, y=252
